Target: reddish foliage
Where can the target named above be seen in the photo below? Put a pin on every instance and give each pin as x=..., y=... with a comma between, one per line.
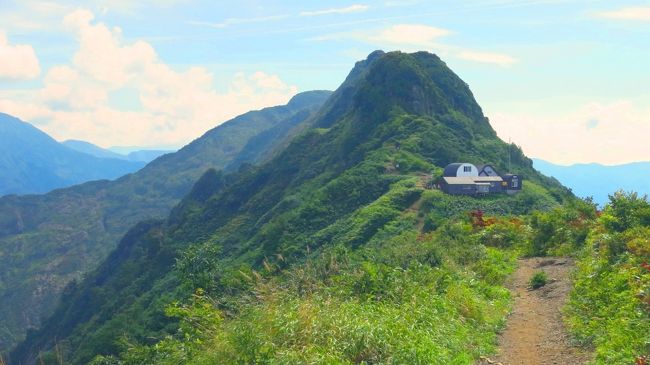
x=646, y=266
x=478, y=220
x=517, y=222
x=641, y=360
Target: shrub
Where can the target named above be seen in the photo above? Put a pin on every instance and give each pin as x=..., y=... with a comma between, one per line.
x=538, y=280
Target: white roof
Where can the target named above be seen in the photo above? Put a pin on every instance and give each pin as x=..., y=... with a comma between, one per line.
x=471, y=180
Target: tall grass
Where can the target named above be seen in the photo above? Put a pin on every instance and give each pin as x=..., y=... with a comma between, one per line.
x=404, y=298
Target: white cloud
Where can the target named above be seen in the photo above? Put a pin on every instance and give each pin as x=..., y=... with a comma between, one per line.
x=638, y=13
x=488, y=57
x=33, y=16
x=174, y=106
x=234, y=21
x=419, y=37
x=349, y=9
x=416, y=35
x=611, y=133
x=17, y=61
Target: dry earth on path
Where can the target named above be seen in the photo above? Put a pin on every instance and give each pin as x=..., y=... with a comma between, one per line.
x=535, y=333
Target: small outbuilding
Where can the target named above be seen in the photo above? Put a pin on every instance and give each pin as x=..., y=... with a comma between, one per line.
x=513, y=183
x=468, y=179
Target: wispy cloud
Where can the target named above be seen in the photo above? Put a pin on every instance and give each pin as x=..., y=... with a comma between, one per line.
x=400, y=3
x=419, y=37
x=500, y=59
x=234, y=21
x=349, y=9
x=638, y=13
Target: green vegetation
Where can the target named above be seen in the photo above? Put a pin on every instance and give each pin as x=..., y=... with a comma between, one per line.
x=538, y=280
x=400, y=299
x=610, y=305
x=48, y=241
x=333, y=251
x=334, y=235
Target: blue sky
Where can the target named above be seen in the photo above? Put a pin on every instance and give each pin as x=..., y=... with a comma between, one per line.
x=566, y=80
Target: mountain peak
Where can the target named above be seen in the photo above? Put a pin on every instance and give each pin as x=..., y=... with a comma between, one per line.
x=374, y=55
x=309, y=97
x=417, y=83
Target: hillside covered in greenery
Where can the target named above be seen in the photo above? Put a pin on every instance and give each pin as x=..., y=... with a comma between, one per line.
x=332, y=251
x=609, y=308
x=46, y=241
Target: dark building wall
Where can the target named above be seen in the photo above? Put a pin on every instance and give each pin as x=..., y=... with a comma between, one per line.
x=459, y=189
x=496, y=187
x=514, y=182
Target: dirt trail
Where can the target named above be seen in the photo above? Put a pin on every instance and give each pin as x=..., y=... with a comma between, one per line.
x=535, y=334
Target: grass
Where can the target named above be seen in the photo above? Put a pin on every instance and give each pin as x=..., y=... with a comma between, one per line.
x=402, y=298
x=538, y=280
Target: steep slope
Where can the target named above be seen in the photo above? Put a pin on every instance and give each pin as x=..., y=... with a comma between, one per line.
x=146, y=155
x=352, y=170
x=46, y=241
x=599, y=181
x=32, y=162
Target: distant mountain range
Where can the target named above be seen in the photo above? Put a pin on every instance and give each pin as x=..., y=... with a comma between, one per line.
x=142, y=155
x=599, y=181
x=33, y=162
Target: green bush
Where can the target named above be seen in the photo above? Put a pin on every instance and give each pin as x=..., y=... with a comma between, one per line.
x=609, y=306
x=538, y=280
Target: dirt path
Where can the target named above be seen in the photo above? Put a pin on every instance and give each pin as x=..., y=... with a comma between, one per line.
x=535, y=334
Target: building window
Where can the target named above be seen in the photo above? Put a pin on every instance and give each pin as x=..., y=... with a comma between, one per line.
x=515, y=182
x=467, y=168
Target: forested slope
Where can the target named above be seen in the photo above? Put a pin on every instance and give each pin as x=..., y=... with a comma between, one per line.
x=48, y=240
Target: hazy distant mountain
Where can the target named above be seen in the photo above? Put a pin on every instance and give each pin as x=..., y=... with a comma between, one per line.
x=598, y=181
x=33, y=162
x=91, y=149
x=140, y=155
x=146, y=155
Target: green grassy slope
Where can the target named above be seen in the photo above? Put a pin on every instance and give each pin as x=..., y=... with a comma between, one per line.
x=335, y=185
x=48, y=240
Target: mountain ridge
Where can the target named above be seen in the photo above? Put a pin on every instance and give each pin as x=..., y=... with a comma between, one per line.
x=48, y=240
x=33, y=162
x=364, y=149
x=599, y=181
x=139, y=155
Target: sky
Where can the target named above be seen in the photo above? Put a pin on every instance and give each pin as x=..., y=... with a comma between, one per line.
x=568, y=81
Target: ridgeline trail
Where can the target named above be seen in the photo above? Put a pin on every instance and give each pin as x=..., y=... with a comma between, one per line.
x=535, y=333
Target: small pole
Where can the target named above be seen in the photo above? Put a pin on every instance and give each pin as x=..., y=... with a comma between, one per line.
x=509, y=156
